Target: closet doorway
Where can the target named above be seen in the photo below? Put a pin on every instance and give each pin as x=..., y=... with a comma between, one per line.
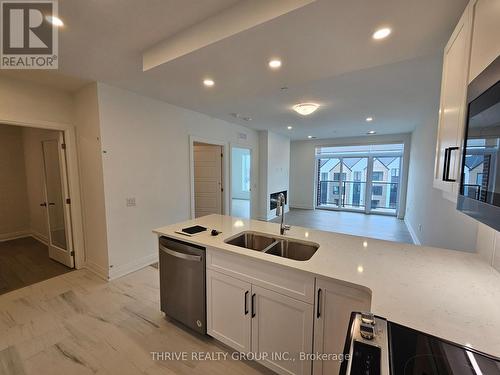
x=36, y=238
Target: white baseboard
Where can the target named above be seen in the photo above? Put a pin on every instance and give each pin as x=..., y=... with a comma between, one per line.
x=14, y=235
x=413, y=234
x=302, y=206
x=124, y=269
x=97, y=269
x=40, y=237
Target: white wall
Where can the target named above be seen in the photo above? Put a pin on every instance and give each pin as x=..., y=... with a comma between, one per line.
x=146, y=144
x=488, y=245
x=14, y=212
x=434, y=220
x=274, y=169
x=303, y=159
x=237, y=173
x=33, y=158
x=91, y=179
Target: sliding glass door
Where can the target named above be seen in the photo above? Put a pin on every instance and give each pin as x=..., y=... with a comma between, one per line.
x=357, y=179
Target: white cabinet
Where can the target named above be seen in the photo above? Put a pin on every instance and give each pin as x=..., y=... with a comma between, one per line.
x=334, y=304
x=452, y=109
x=485, y=36
x=282, y=327
x=252, y=319
x=228, y=310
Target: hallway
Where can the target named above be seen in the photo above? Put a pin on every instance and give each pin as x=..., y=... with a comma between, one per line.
x=374, y=226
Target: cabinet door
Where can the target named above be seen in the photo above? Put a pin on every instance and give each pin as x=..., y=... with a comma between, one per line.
x=453, y=103
x=228, y=310
x=281, y=326
x=485, y=36
x=334, y=305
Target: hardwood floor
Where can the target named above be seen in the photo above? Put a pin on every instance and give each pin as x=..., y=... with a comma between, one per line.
x=77, y=323
x=374, y=226
x=26, y=261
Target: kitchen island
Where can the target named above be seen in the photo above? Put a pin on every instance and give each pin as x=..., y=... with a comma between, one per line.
x=451, y=294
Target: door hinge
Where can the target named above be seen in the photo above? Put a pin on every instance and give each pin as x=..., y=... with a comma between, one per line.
x=72, y=253
x=68, y=201
x=63, y=146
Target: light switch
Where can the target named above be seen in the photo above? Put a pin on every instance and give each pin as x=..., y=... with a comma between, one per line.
x=130, y=202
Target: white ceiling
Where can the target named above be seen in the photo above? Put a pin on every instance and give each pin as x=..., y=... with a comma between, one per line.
x=328, y=57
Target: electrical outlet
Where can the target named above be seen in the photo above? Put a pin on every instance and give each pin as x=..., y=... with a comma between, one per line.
x=130, y=202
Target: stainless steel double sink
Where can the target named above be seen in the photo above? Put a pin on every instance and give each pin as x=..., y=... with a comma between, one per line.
x=268, y=244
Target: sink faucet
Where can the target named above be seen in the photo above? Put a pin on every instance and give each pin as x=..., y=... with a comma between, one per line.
x=280, y=211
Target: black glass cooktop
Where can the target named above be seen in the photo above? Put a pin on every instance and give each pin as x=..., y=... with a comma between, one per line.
x=416, y=353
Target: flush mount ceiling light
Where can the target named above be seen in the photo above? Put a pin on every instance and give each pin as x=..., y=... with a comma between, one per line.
x=305, y=109
x=56, y=21
x=275, y=64
x=208, y=82
x=311, y=137
x=289, y=127
x=371, y=132
x=382, y=33
x=369, y=119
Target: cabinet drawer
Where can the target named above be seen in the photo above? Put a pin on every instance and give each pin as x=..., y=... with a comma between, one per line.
x=292, y=283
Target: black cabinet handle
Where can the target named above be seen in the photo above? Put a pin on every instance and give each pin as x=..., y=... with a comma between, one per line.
x=246, y=304
x=43, y=204
x=447, y=162
x=253, y=305
x=318, y=303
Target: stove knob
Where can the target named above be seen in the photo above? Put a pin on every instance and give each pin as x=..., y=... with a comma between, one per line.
x=367, y=331
x=368, y=318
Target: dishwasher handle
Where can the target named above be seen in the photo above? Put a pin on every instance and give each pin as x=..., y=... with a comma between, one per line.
x=193, y=258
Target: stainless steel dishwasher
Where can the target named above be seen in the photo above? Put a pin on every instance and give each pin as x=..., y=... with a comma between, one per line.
x=182, y=283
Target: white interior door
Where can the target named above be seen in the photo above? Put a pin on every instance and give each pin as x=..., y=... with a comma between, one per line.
x=207, y=179
x=57, y=202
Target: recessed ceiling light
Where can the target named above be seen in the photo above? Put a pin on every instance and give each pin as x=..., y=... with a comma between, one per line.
x=56, y=21
x=305, y=109
x=289, y=127
x=371, y=132
x=369, y=119
x=208, y=82
x=275, y=64
x=382, y=33
x=311, y=137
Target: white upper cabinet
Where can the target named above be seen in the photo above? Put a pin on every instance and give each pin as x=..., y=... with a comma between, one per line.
x=452, y=110
x=485, y=36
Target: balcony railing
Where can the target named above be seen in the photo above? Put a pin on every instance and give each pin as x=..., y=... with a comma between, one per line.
x=352, y=194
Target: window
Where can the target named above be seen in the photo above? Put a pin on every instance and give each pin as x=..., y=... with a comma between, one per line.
x=357, y=176
x=245, y=172
x=324, y=176
x=479, y=179
x=375, y=203
x=378, y=176
x=336, y=176
x=377, y=190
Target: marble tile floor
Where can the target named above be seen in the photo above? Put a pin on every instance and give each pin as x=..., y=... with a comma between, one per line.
x=77, y=323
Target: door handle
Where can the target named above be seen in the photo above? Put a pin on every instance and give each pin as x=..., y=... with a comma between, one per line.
x=43, y=204
x=318, y=303
x=52, y=204
x=246, y=303
x=193, y=258
x=447, y=162
x=253, y=305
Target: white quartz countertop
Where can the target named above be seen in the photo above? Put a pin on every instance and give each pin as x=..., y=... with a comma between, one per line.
x=450, y=294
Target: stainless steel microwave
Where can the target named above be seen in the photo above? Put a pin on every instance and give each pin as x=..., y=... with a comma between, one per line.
x=479, y=195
